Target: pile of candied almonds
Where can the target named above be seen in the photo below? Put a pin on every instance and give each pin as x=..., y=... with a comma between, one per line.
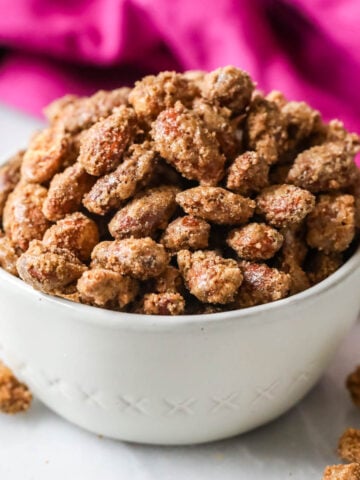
x=189, y=193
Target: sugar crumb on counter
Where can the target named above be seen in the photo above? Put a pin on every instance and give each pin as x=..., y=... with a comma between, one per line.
x=349, y=445
x=350, y=471
x=14, y=395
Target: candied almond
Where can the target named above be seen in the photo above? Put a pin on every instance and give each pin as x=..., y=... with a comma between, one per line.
x=66, y=192
x=299, y=279
x=103, y=145
x=265, y=129
x=79, y=113
x=331, y=225
x=277, y=97
x=284, y=205
x=217, y=205
x=229, y=87
x=186, y=232
x=111, y=190
x=46, y=154
x=49, y=268
x=323, y=168
x=76, y=233
x=261, y=284
x=294, y=248
x=9, y=178
x=23, y=219
x=248, y=174
x=105, y=288
x=55, y=110
x=153, y=93
x=170, y=280
x=301, y=122
x=148, y=212
x=182, y=139
x=218, y=121
x=166, y=303
x=291, y=258
x=354, y=189
x=210, y=277
x=335, y=131
x=255, y=241
x=140, y=258
x=8, y=255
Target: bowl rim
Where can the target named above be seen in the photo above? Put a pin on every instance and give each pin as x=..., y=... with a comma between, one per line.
x=102, y=317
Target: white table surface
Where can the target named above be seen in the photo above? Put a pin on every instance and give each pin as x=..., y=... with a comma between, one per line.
x=39, y=445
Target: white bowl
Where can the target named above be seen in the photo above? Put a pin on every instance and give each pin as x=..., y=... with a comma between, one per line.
x=175, y=380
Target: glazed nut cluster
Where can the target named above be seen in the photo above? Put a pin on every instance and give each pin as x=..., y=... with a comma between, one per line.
x=14, y=395
x=189, y=193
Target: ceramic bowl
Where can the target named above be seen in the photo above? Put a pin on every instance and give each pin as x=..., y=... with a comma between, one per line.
x=175, y=380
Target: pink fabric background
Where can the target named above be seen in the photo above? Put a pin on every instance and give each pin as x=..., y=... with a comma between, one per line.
x=310, y=49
